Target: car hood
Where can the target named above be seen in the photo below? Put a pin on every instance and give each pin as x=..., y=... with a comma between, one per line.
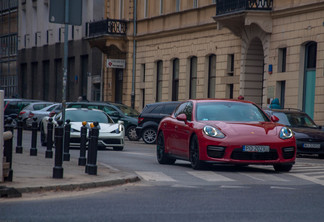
x=305, y=133
x=247, y=129
x=104, y=127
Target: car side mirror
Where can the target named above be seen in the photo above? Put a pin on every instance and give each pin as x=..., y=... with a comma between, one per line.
x=182, y=117
x=274, y=119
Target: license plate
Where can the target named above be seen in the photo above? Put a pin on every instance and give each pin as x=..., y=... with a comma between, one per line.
x=255, y=148
x=312, y=145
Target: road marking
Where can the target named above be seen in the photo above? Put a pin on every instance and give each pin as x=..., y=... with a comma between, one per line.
x=154, y=176
x=209, y=176
x=264, y=177
x=110, y=167
x=305, y=177
x=282, y=188
x=234, y=187
x=140, y=154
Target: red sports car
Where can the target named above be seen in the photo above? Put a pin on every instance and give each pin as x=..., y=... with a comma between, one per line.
x=225, y=131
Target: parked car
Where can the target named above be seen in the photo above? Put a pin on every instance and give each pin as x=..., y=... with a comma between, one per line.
x=111, y=134
x=12, y=107
x=116, y=112
x=150, y=117
x=24, y=113
x=224, y=131
x=40, y=114
x=309, y=136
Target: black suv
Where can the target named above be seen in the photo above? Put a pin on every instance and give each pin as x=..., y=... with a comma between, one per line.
x=309, y=136
x=151, y=116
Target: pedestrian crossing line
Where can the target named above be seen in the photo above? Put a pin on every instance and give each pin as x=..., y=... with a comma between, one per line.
x=209, y=176
x=319, y=177
x=305, y=177
x=154, y=176
x=264, y=177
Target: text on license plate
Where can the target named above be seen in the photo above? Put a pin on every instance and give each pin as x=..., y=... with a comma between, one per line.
x=312, y=145
x=255, y=148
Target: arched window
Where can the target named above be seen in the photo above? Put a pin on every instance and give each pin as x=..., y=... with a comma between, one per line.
x=211, y=76
x=193, y=77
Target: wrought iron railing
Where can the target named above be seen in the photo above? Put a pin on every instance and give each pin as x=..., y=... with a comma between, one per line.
x=108, y=26
x=232, y=6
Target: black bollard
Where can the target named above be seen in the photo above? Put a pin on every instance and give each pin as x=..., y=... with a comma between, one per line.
x=8, y=148
x=67, y=130
x=33, y=149
x=20, y=125
x=91, y=167
x=49, y=144
x=83, y=144
x=58, y=169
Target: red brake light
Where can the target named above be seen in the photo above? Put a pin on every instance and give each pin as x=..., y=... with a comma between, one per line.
x=21, y=113
x=140, y=119
x=51, y=114
x=31, y=115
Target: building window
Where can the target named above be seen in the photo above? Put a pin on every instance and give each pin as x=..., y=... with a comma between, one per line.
x=143, y=97
x=281, y=91
x=143, y=72
x=159, y=73
x=195, y=3
x=214, y=1
x=193, y=77
x=175, y=79
x=229, y=91
x=282, y=58
x=311, y=55
x=121, y=9
x=211, y=76
x=145, y=8
x=161, y=7
x=177, y=5
x=230, y=64
x=72, y=32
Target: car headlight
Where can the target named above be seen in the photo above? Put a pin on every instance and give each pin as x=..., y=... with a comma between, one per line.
x=286, y=133
x=213, y=132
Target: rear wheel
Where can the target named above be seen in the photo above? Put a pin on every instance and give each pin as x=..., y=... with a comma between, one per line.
x=195, y=161
x=162, y=157
x=131, y=133
x=282, y=168
x=149, y=135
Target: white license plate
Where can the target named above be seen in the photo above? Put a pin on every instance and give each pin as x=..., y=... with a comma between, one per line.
x=312, y=145
x=255, y=148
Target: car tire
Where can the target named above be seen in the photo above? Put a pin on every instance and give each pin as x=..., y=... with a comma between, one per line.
x=42, y=136
x=162, y=157
x=194, y=157
x=149, y=135
x=131, y=133
x=118, y=148
x=282, y=168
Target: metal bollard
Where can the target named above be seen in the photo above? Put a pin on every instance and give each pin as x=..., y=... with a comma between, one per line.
x=83, y=144
x=20, y=126
x=49, y=144
x=58, y=169
x=67, y=130
x=91, y=167
x=33, y=149
x=8, y=148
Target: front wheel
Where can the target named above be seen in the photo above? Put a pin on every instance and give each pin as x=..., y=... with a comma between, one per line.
x=282, y=168
x=149, y=135
x=194, y=156
x=162, y=157
x=131, y=133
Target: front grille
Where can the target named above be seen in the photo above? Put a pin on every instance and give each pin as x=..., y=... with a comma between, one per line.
x=112, y=141
x=288, y=154
x=215, y=151
x=238, y=154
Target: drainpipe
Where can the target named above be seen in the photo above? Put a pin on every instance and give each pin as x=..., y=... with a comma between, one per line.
x=134, y=59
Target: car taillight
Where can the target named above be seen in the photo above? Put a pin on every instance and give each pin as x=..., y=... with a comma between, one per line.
x=22, y=112
x=140, y=119
x=31, y=115
x=51, y=114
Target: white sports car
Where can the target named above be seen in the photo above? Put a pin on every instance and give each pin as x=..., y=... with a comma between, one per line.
x=110, y=134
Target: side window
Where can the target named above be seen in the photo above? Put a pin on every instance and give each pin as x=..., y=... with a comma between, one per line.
x=170, y=108
x=188, y=111
x=180, y=109
x=108, y=110
x=158, y=109
x=75, y=106
x=92, y=107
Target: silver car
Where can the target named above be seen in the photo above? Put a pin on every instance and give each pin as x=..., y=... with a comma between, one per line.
x=24, y=113
x=40, y=114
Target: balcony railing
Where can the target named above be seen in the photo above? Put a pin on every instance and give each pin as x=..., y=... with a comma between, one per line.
x=231, y=6
x=108, y=26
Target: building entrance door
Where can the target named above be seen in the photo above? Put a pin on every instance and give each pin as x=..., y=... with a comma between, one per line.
x=119, y=85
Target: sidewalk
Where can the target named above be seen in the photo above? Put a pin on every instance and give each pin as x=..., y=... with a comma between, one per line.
x=35, y=174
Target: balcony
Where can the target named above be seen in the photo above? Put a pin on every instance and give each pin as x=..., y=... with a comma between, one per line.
x=106, y=27
x=224, y=7
x=236, y=14
x=106, y=33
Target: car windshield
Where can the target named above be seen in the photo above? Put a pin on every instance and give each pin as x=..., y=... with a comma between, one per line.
x=295, y=119
x=128, y=111
x=229, y=111
x=86, y=115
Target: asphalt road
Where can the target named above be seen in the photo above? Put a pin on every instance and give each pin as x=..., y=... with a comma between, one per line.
x=178, y=193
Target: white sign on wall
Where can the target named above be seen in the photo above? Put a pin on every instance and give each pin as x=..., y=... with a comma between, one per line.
x=116, y=63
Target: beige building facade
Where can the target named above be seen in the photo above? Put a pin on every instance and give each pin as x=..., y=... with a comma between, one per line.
x=215, y=49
